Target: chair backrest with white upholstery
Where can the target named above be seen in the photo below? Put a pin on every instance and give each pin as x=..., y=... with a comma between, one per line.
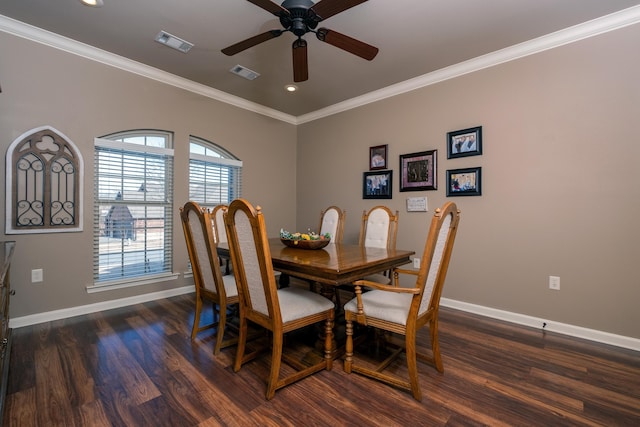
x=332, y=222
x=251, y=258
x=379, y=228
x=436, y=255
x=198, y=232
x=218, y=224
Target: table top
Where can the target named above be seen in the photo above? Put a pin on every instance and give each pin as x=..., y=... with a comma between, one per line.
x=335, y=264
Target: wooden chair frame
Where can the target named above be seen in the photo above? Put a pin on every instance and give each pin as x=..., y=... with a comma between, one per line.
x=242, y=251
x=207, y=277
x=417, y=315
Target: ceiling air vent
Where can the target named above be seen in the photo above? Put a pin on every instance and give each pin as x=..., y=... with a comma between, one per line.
x=173, y=42
x=244, y=72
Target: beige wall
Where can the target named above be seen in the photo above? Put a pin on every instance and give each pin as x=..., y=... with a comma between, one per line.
x=84, y=99
x=559, y=171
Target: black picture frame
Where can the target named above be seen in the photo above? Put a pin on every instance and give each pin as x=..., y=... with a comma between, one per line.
x=378, y=157
x=464, y=143
x=418, y=171
x=464, y=182
x=377, y=185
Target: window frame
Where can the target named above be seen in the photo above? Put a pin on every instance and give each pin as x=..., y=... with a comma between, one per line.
x=134, y=151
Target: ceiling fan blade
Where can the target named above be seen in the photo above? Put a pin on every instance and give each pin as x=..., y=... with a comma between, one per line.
x=250, y=42
x=270, y=7
x=300, y=63
x=347, y=43
x=327, y=8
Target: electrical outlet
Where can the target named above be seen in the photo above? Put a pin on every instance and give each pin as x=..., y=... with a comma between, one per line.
x=554, y=283
x=36, y=275
x=416, y=262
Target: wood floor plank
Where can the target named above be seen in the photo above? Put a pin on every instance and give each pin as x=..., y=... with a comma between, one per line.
x=51, y=392
x=137, y=366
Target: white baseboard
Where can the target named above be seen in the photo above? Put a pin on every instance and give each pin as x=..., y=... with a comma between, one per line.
x=520, y=319
x=49, y=316
x=544, y=324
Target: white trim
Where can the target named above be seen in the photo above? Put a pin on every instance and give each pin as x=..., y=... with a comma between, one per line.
x=215, y=160
x=578, y=32
x=33, y=319
x=129, y=283
x=519, y=319
x=9, y=229
x=127, y=146
x=545, y=324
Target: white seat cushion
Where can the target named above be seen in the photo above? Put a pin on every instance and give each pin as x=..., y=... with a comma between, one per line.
x=389, y=306
x=296, y=303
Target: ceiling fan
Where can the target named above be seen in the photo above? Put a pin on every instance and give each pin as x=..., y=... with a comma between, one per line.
x=301, y=17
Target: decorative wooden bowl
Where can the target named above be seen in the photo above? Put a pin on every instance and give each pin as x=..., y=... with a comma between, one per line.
x=306, y=244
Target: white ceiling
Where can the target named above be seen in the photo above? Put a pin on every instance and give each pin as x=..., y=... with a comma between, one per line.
x=415, y=38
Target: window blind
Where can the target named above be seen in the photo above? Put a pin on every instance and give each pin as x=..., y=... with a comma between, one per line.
x=133, y=214
x=214, y=180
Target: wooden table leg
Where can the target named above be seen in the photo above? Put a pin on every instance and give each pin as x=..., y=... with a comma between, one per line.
x=327, y=291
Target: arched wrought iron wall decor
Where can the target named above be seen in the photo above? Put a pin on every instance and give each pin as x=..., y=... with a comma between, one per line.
x=44, y=179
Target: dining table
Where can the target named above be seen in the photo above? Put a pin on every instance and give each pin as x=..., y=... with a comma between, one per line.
x=335, y=264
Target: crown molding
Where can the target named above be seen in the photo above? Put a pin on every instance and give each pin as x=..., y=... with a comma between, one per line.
x=569, y=35
x=29, y=32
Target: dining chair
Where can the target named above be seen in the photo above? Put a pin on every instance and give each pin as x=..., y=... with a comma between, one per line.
x=379, y=229
x=209, y=282
x=400, y=311
x=279, y=311
x=220, y=234
x=332, y=222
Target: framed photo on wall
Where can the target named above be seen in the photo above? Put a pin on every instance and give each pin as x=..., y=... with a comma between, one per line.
x=378, y=157
x=464, y=143
x=418, y=171
x=464, y=182
x=377, y=185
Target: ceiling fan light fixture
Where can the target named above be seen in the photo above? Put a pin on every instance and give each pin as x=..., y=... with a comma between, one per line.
x=93, y=3
x=173, y=42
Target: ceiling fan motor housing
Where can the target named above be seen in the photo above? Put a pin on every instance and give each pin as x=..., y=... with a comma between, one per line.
x=301, y=19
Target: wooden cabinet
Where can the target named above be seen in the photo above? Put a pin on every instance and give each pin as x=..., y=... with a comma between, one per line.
x=6, y=253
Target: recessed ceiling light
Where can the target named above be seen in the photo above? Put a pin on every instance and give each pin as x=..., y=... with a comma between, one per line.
x=174, y=42
x=93, y=3
x=291, y=88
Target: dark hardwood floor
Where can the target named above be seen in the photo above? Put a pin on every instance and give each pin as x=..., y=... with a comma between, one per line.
x=136, y=366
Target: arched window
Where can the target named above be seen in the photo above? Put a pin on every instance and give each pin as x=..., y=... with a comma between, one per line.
x=215, y=175
x=44, y=178
x=133, y=216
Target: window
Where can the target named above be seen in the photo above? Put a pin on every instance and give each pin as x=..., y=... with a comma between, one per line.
x=43, y=183
x=133, y=217
x=215, y=175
